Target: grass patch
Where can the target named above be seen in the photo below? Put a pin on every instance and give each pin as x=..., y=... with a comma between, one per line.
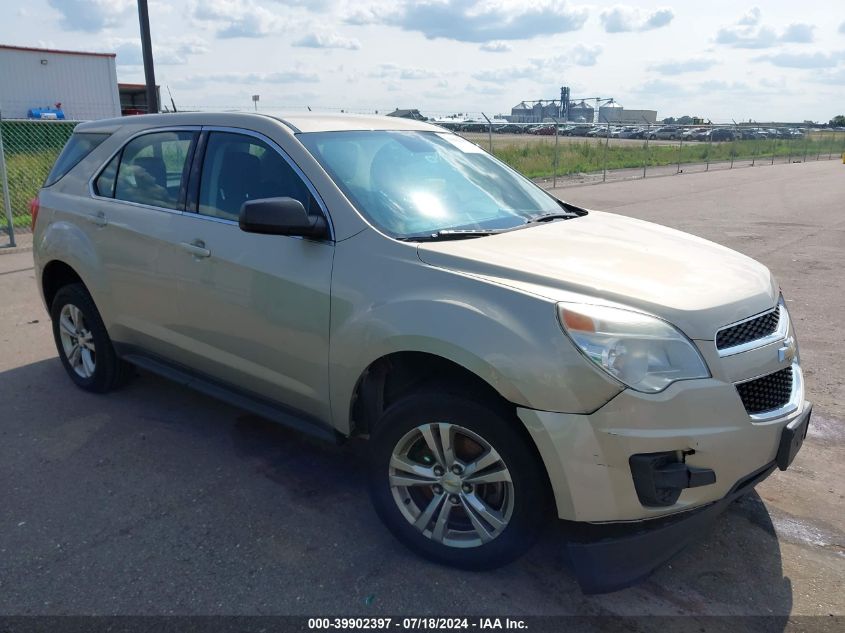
x=31, y=148
x=537, y=160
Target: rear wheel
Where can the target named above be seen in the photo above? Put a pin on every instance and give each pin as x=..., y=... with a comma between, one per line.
x=456, y=481
x=84, y=346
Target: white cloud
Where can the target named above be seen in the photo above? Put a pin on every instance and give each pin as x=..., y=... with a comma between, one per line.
x=684, y=66
x=487, y=90
x=751, y=17
x=311, y=5
x=496, y=47
x=749, y=32
x=237, y=18
x=805, y=60
x=170, y=52
x=92, y=15
x=798, y=33
x=327, y=40
x=394, y=72
x=582, y=55
x=660, y=87
x=475, y=20
x=622, y=19
x=542, y=68
x=278, y=77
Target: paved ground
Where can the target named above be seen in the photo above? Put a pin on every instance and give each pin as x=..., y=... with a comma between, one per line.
x=155, y=500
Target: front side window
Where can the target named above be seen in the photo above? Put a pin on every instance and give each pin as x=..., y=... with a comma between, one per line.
x=238, y=168
x=415, y=183
x=153, y=170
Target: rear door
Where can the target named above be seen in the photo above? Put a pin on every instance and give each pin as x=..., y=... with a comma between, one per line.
x=137, y=199
x=253, y=309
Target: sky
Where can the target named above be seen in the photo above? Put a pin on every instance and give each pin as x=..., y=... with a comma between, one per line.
x=721, y=60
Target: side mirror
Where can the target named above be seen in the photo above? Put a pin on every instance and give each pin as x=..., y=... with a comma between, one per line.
x=280, y=216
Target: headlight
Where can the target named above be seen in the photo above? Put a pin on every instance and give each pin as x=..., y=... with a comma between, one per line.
x=640, y=351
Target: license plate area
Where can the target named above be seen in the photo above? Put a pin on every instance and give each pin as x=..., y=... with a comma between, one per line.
x=792, y=439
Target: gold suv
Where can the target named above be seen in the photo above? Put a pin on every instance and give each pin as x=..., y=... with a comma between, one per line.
x=507, y=354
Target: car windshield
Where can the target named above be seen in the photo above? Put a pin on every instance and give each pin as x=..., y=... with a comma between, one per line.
x=414, y=183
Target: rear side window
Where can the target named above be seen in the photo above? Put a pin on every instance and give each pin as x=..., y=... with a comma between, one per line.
x=77, y=148
x=152, y=169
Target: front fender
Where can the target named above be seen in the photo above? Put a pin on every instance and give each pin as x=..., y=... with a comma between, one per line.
x=385, y=300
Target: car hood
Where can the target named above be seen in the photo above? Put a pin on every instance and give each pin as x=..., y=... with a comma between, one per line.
x=609, y=259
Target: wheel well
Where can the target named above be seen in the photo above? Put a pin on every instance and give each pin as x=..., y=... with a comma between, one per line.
x=56, y=275
x=391, y=376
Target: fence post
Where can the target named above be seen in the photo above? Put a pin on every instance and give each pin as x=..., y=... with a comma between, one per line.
x=4, y=180
x=831, y=144
x=645, y=158
x=680, y=151
x=789, y=147
x=806, y=141
x=733, y=146
x=754, y=147
x=709, y=145
x=774, y=147
x=606, y=141
x=554, y=168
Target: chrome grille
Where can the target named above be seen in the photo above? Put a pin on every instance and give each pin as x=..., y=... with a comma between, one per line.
x=748, y=331
x=767, y=392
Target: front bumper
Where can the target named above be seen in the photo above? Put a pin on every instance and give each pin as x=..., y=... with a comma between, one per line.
x=611, y=556
x=620, y=540
x=587, y=456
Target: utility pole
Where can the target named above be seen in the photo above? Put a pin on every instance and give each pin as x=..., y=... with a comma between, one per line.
x=147, y=51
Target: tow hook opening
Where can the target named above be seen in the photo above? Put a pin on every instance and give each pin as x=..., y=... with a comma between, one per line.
x=659, y=478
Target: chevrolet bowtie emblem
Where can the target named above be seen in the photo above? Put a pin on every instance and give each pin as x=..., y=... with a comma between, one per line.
x=787, y=352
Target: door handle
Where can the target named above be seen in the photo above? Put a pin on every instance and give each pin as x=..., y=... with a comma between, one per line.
x=196, y=248
x=98, y=218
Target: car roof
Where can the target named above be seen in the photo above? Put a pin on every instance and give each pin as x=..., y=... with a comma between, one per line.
x=296, y=121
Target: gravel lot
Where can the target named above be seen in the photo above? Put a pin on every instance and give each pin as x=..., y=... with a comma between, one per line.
x=156, y=500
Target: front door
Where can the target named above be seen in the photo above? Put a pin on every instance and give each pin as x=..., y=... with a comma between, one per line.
x=254, y=309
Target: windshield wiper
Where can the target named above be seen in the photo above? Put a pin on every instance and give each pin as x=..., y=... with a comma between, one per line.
x=449, y=234
x=548, y=217
x=569, y=212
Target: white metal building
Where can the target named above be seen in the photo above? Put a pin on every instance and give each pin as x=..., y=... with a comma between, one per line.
x=84, y=83
x=617, y=114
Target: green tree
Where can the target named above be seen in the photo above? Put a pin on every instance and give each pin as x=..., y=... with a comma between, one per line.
x=838, y=121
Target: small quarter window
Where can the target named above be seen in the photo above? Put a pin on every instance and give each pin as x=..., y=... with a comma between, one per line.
x=153, y=169
x=104, y=185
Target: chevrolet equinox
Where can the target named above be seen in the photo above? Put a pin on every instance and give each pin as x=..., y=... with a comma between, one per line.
x=506, y=354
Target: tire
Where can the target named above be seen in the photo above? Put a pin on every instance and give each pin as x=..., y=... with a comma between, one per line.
x=77, y=325
x=516, y=510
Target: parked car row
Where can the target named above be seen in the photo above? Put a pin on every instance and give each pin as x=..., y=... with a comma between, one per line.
x=652, y=132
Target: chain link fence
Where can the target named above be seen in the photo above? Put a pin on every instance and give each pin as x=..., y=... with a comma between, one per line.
x=561, y=154
x=28, y=150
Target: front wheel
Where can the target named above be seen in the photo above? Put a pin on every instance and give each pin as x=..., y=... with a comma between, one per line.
x=456, y=481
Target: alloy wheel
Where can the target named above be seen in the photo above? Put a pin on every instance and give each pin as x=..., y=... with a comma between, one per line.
x=451, y=485
x=77, y=341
